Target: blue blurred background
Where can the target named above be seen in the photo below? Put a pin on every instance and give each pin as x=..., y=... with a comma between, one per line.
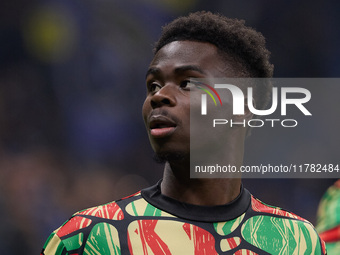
x=72, y=86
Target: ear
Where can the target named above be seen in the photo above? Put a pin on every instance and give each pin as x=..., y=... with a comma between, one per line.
x=248, y=115
x=244, y=118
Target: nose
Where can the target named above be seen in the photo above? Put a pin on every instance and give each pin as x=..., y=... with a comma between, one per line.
x=164, y=97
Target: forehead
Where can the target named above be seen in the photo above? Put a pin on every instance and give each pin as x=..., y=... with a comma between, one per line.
x=187, y=50
x=179, y=53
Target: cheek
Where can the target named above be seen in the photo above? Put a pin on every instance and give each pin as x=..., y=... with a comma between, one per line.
x=146, y=108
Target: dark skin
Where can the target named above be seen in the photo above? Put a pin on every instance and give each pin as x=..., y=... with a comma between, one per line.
x=166, y=115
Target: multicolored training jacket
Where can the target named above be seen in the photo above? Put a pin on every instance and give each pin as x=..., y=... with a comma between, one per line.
x=151, y=223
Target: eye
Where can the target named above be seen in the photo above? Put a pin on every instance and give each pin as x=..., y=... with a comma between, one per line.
x=186, y=84
x=153, y=87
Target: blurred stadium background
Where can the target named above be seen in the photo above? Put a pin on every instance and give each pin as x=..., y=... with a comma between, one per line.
x=71, y=90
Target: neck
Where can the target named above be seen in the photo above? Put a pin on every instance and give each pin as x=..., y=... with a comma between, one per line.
x=178, y=185
x=205, y=192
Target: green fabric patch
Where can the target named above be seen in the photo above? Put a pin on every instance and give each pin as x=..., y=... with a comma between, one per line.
x=281, y=236
x=74, y=242
x=103, y=239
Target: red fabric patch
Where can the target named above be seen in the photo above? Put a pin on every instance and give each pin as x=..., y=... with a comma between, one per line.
x=109, y=211
x=232, y=243
x=149, y=237
x=73, y=224
x=258, y=206
x=204, y=242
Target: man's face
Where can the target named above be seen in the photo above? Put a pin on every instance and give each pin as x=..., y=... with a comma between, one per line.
x=166, y=110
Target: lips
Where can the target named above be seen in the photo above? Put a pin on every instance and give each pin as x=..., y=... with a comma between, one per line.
x=161, y=126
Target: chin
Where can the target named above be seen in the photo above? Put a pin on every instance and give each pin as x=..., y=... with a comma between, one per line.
x=163, y=157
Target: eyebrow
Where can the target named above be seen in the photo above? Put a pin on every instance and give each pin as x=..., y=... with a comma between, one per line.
x=153, y=71
x=189, y=68
x=181, y=69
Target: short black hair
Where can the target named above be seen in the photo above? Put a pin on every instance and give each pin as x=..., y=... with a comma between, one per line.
x=231, y=37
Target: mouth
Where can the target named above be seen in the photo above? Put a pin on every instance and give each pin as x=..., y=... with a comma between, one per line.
x=161, y=126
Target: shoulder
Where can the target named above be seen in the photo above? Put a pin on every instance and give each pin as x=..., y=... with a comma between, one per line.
x=286, y=231
x=261, y=207
x=81, y=224
x=109, y=211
